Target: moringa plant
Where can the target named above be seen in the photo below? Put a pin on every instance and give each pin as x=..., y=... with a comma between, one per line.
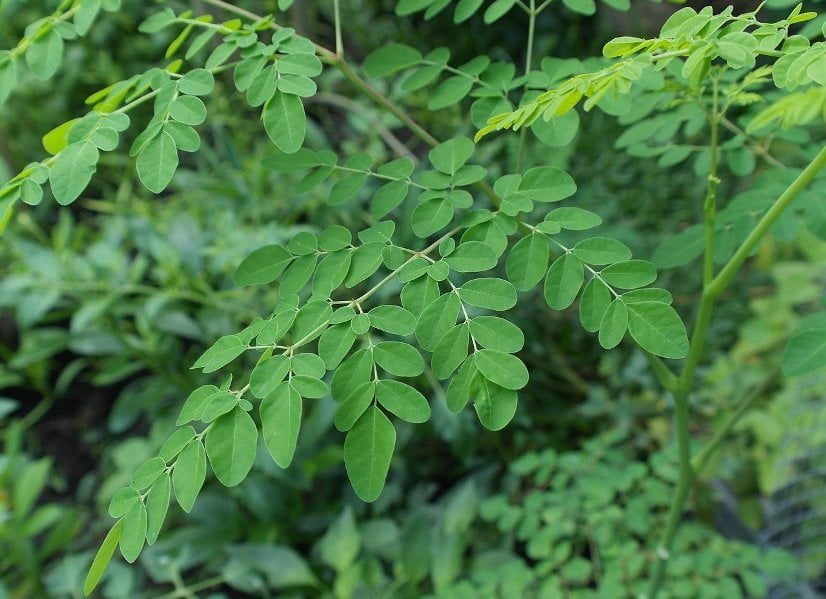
x=447, y=248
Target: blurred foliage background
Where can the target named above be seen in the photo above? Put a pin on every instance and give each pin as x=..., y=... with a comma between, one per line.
x=104, y=306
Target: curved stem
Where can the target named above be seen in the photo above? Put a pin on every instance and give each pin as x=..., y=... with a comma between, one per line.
x=710, y=294
x=727, y=273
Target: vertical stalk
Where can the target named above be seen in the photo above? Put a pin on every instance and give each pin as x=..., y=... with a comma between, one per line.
x=532, y=12
x=710, y=294
x=337, y=24
x=531, y=28
x=710, y=204
x=682, y=416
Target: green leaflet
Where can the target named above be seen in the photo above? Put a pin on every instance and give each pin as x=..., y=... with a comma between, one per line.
x=472, y=256
x=592, y=305
x=399, y=359
x=630, y=274
x=389, y=59
x=267, y=375
x=297, y=274
x=497, y=9
x=658, y=329
x=465, y=9
x=309, y=386
x=449, y=92
x=527, y=261
x=354, y=404
x=102, y=558
x=546, y=184
x=345, y=188
x=450, y=156
x=451, y=351
x=495, y=405
x=650, y=294
x=307, y=364
x=176, y=443
x=360, y=324
x=573, y=218
x=157, y=504
x=189, y=474
x=222, y=352
x=436, y=320
x=489, y=293
x=335, y=343
x=584, y=7
x=331, y=272
x=133, y=532
x=217, y=405
x=393, y=319
x=197, y=82
x=601, y=250
x=158, y=21
x=505, y=370
x=230, y=445
x=147, y=473
x=188, y=110
x=613, y=324
x=44, y=55
x=557, y=132
x=85, y=17
x=280, y=423
x=366, y=260
x=564, y=279
x=194, y=405
x=72, y=170
x=310, y=322
x=122, y=500
x=403, y=401
x=806, y=351
x=355, y=370
x=431, y=216
x=157, y=162
x=388, y=197
x=496, y=333
x=334, y=238
x=285, y=121
x=368, y=448
x=458, y=391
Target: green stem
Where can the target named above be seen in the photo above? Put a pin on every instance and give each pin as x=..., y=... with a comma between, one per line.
x=528, y=59
x=710, y=203
x=198, y=586
x=389, y=106
x=727, y=273
x=531, y=28
x=710, y=294
x=337, y=19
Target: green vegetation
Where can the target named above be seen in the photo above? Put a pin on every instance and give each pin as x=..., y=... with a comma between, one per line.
x=388, y=317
